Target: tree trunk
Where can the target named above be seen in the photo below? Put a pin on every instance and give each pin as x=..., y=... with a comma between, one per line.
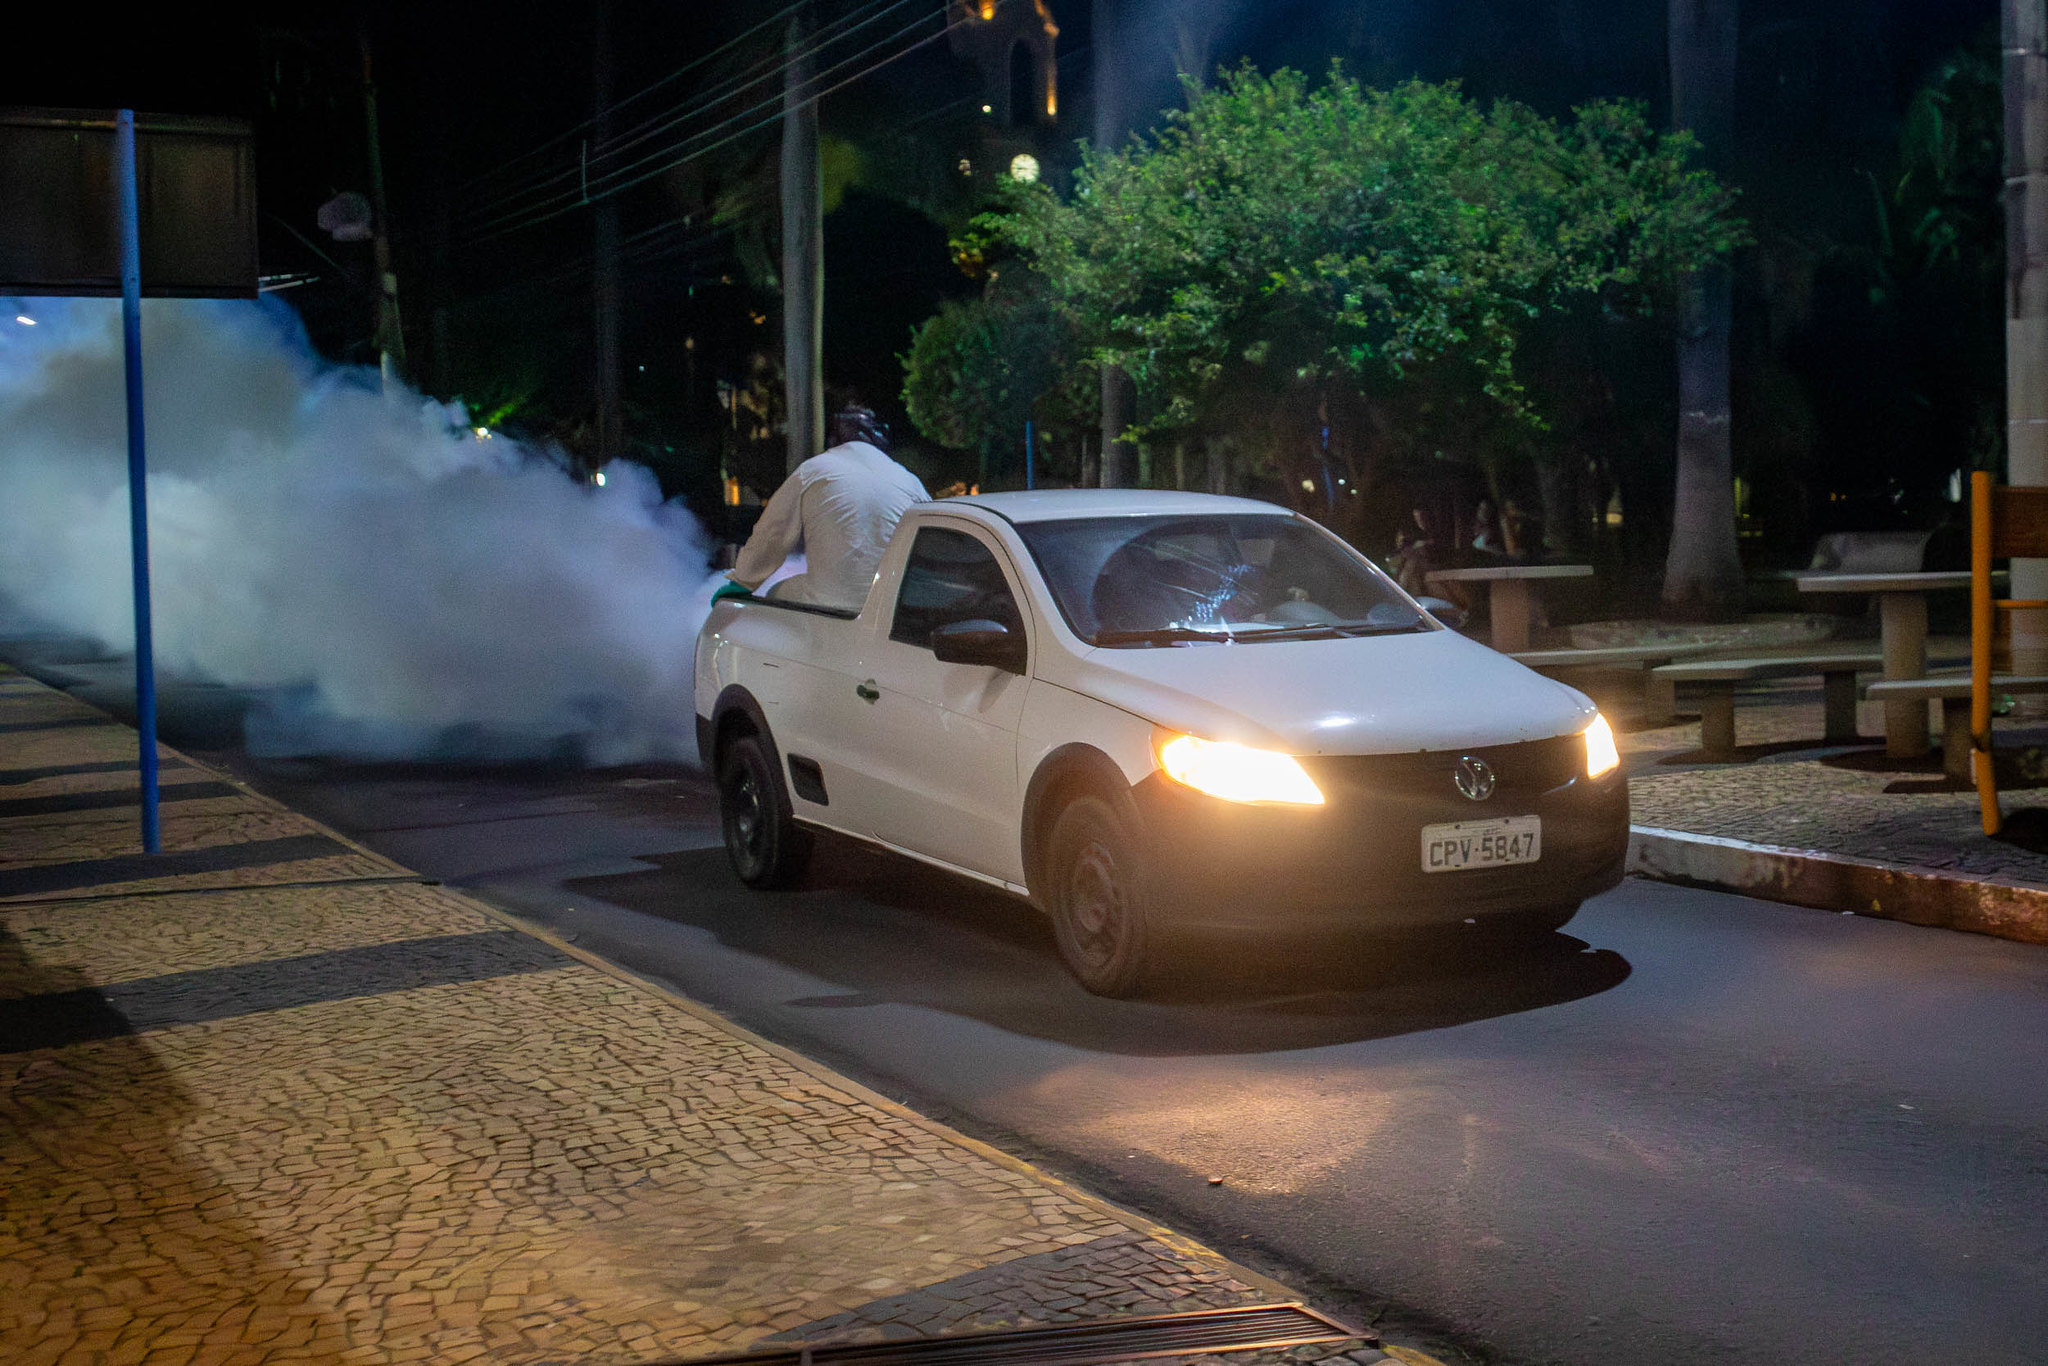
x=803, y=252
x=1558, y=480
x=1116, y=415
x=1703, y=570
x=2025, y=28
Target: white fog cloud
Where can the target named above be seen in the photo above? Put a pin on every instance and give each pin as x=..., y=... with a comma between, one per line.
x=393, y=584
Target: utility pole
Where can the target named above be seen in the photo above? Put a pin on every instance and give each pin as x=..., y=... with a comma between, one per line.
x=1106, y=75
x=2024, y=26
x=604, y=249
x=803, y=251
x=390, y=333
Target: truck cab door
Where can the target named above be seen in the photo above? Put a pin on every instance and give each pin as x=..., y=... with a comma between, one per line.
x=941, y=739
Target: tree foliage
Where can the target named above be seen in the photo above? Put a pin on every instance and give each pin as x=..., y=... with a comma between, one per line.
x=1281, y=238
x=979, y=369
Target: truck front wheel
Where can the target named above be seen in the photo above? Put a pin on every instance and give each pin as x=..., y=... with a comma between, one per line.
x=1100, y=902
x=762, y=839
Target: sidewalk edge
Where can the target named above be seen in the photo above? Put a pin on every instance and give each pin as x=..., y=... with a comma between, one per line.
x=1833, y=882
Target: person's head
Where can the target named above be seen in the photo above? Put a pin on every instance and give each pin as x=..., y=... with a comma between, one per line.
x=858, y=424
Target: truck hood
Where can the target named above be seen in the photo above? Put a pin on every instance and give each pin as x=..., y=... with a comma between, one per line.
x=1369, y=695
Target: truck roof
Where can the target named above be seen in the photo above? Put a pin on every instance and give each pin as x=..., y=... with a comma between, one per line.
x=1048, y=505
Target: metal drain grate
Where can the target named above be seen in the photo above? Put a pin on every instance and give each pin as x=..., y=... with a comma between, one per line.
x=1243, y=1329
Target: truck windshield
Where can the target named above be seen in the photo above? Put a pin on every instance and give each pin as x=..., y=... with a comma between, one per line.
x=1133, y=582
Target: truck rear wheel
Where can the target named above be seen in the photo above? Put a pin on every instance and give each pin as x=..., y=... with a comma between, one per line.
x=1100, y=901
x=762, y=839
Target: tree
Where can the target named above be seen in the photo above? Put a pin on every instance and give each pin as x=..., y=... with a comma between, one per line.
x=1703, y=572
x=1301, y=260
x=979, y=369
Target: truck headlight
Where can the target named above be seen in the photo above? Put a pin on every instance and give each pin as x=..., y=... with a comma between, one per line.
x=1238, y=773
x=1601, y=755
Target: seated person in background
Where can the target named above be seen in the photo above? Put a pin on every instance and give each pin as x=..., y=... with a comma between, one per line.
x=839, y=508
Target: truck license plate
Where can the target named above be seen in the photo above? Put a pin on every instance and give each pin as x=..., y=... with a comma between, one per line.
x=1481, y=844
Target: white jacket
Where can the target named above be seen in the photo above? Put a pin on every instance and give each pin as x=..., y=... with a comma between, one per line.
x=840, y=507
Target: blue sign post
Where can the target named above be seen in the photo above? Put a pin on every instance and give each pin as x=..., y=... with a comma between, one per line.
x=75, y=221
x=1028, y=461
x=138, y=504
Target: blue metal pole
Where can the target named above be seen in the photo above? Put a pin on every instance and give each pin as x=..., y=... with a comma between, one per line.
x=1027, y=454
x=138, y=507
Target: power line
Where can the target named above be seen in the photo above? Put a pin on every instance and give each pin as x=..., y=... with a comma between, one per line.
x=503, y=209
x=556, y=205
x=642, y=249
x=643, y=92
x=778, y=61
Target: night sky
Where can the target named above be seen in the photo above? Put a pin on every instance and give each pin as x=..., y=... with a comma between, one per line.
x=503, y=318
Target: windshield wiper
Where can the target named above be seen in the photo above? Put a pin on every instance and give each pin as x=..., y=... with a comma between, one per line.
x=1330, y=630
x=1163, y=635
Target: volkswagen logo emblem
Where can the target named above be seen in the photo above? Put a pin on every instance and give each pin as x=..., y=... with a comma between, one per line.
x=1474, y=777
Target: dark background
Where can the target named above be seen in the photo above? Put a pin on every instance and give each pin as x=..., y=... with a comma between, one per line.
x=1867, y=352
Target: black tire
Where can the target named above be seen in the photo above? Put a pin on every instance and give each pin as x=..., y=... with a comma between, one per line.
x=766, y=847
x=1100, y=897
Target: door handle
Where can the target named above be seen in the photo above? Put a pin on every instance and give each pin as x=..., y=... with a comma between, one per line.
x=867, y=692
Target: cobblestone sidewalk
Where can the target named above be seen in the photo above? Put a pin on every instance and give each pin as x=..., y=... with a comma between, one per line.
x=1788, y=790
x=268, y=1097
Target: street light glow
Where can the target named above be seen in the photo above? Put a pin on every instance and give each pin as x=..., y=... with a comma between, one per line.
x=600, y=478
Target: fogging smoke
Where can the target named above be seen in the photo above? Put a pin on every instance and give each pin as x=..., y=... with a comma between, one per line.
x=393, y=584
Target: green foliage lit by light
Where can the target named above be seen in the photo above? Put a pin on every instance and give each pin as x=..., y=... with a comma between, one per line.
x=979, y=369
x=1278, y=236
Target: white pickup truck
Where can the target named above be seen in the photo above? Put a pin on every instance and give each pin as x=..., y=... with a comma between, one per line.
x=1158, y=715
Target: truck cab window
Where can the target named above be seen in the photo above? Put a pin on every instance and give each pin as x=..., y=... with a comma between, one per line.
x=950, y=577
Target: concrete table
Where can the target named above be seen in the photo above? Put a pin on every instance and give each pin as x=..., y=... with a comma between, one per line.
x=1509, y=597
x=1902, y=604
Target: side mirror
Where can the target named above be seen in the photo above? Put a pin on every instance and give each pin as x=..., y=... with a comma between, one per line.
x=979, y=642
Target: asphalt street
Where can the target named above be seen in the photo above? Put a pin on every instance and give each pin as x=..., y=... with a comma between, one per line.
x=1694, y=1128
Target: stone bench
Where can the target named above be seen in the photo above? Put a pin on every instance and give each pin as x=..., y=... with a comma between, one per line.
x=1953, y=692
x=1717, y=679
x=1660, y=702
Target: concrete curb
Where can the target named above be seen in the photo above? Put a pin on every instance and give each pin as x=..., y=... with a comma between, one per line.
x=1831, y=882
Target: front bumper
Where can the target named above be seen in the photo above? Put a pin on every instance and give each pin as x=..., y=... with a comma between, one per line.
x=1355, y=862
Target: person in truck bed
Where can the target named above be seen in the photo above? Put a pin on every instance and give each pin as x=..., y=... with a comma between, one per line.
x=839, y=508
